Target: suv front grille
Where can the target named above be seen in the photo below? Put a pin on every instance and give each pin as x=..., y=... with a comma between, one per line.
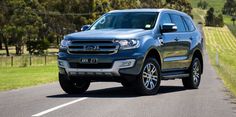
x=93, y=47
x=90, y=66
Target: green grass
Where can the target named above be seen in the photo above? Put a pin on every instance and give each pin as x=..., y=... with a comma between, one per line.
x=229, y=23
x=217, y=4
x=198, y=15
x=223, y=42
x=18, y=77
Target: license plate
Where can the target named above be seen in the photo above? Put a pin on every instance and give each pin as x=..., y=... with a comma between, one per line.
x=88, y=61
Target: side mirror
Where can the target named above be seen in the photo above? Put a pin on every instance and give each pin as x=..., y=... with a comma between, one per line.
x=168, y=27
x=85, y=27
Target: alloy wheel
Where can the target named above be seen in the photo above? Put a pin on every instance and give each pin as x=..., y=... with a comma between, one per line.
x=150, y=76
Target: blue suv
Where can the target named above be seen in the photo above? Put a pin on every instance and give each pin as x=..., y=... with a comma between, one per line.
x=136, y=47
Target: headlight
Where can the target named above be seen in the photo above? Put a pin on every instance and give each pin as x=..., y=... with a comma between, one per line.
x=128, y=44
x=64, y=43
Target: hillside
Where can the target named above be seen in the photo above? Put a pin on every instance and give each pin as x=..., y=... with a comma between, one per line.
x=221, y=47
x=220, y=43
x=217, y=4
x=199, y=14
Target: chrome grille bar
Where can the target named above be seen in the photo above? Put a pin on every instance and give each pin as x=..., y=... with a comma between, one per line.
x=93, y=47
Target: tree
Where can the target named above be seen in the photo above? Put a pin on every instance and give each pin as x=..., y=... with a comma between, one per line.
x=199, y=4
x=125, y=4
x=1, y=44
x=212, y=20
x=209, y=19
x=151, y=3
x=219, y=21
x=233, y=19
x=6, y=34
x=99, y=7
x=181, y=5
x=36, y=21
x=1, y=22
x=202, y=4
x=27, y=24
x=37, y=46
x=4, y=23
x=229, y=7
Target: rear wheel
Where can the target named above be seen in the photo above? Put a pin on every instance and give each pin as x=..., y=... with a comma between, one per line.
x=148, y=81
x=193, y=81
x=71, y=87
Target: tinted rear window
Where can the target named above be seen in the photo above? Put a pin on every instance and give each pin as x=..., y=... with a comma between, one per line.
x=189, y=23
x=177, y=20
x=165, y=18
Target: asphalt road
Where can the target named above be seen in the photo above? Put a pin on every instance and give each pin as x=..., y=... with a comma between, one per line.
x=111, y=100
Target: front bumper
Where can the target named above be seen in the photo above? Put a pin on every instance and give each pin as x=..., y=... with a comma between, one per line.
x=114, y=71
x=126, y=63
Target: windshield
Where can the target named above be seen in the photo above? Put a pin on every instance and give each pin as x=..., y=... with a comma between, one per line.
x=127, y=20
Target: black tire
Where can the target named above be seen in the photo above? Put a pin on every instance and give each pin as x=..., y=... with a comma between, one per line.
x=146, y=83
x=126, y=84
x=193, y=81
x=73, y=87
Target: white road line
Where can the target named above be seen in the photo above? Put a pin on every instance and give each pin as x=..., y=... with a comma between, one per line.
x=57, y=107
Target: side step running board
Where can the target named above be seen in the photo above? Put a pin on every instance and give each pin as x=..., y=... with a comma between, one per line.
x=174, y=75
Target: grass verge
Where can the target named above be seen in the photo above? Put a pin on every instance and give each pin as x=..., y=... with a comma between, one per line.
x=229, y=23
x=18, y=77
x=222, y=42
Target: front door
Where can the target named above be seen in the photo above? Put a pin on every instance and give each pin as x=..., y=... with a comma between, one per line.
x=175, y=46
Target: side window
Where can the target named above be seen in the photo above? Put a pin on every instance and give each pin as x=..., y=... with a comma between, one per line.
x=165, y=18
x=177, y=20
x=185, y=24
x=189, y=23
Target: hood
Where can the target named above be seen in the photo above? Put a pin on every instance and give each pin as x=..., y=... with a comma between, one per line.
x=109, y=34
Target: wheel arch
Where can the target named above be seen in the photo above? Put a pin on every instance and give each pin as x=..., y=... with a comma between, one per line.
x=197, y=53
x=154, y=53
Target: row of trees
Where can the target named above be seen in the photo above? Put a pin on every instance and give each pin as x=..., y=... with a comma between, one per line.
x=37, y=24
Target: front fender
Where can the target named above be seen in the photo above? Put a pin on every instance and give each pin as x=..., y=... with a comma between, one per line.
x=149, y=44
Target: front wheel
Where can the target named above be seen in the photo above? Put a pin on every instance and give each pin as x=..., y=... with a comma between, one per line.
x=126, y=84
x=148, y=81
x=193, y=81
x=71, y=87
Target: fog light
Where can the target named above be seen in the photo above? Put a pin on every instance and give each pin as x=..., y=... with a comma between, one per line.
x=127, y=63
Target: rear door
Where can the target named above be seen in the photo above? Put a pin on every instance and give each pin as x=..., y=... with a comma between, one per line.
x=183, y=42
x=188, y=39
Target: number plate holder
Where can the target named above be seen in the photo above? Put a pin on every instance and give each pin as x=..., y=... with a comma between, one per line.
x=88, y=60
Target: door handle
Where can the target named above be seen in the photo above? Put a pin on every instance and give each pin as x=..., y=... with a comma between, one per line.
x=161, y=40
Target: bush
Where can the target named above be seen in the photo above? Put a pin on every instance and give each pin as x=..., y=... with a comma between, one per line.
x=212, y=20
x=202, y=4
x=37, y=46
